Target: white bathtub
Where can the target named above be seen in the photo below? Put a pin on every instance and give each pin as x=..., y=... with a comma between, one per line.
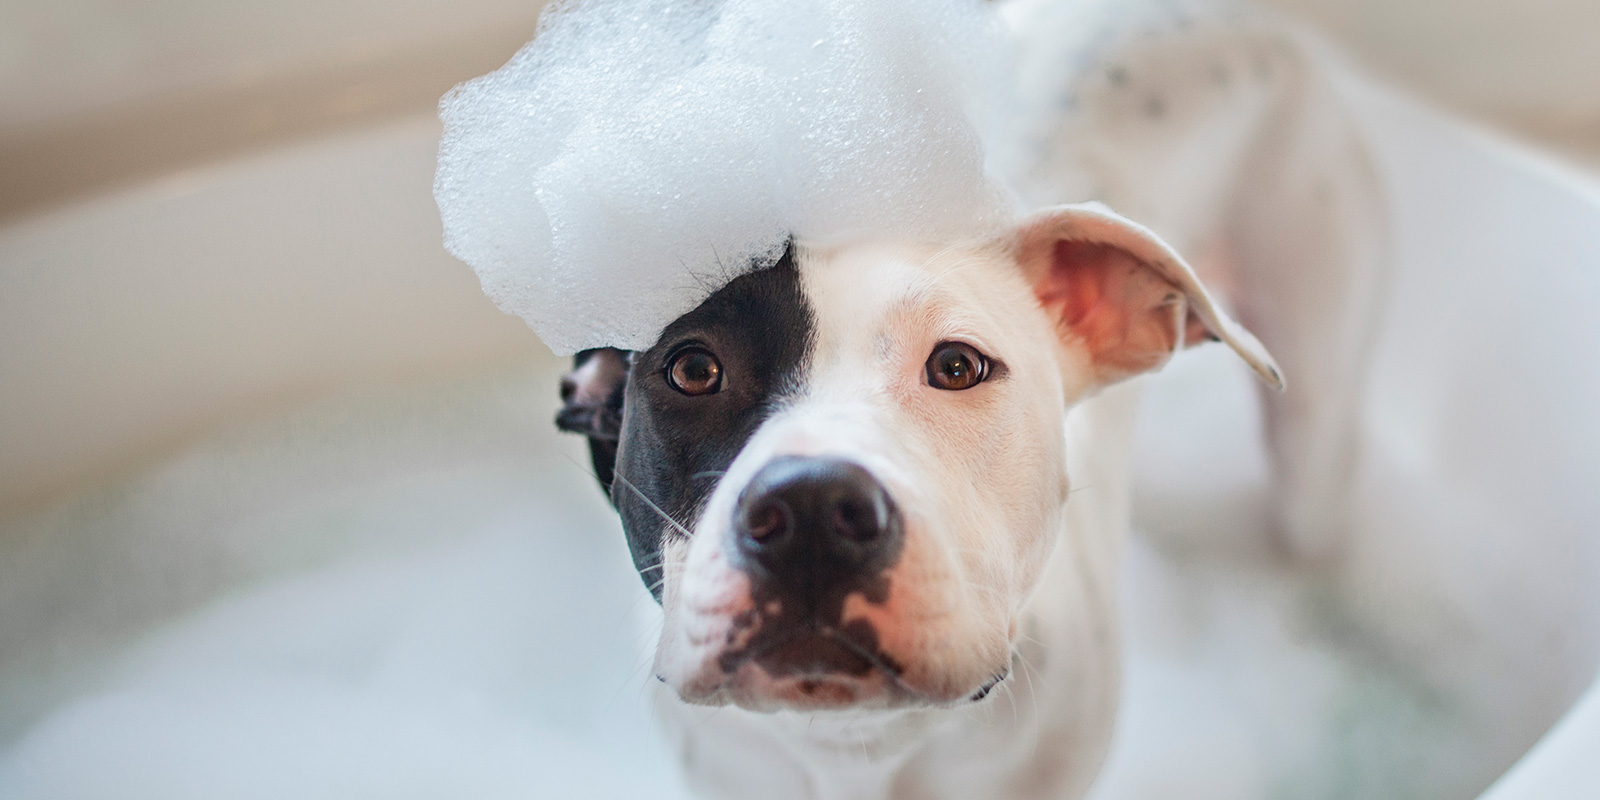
x=282, y=514
x=286, y=512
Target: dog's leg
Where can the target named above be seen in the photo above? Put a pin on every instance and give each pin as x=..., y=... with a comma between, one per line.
x=1230, y=142
x=1310, y=250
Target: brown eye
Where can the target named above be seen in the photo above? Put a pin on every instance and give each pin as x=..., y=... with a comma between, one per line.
x=954, y=366
x=694, y=371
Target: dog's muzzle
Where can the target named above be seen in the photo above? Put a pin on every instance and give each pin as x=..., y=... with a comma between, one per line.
x=810, y=532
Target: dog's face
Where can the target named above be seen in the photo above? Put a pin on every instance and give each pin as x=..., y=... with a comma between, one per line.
x=842, y=475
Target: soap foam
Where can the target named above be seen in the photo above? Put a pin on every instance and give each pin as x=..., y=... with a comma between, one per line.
x=638, y=154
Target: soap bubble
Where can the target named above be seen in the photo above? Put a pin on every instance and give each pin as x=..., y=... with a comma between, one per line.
x=638, y=154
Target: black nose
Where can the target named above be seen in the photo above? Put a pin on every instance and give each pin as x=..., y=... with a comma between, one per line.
x=814, y=522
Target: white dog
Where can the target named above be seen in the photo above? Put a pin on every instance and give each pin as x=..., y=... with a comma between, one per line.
x=847, y=479
x=877, y=482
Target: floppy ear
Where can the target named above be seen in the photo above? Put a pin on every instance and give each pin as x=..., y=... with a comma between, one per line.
x=591, y=405
x=1122, y=295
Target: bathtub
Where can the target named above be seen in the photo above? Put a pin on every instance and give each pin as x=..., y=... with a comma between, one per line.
x=284, y=515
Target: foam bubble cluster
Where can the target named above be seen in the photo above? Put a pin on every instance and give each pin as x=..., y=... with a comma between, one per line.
x=638, y=154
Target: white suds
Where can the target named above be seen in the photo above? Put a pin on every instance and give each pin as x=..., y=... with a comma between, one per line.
x=638, y=154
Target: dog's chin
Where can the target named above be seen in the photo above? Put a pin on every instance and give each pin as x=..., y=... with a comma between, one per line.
x=756, y=687
x=753, y=687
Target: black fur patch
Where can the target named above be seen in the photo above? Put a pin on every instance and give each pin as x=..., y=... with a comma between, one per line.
x=673, y=448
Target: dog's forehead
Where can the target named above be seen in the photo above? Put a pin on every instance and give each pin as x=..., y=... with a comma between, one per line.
x=866, y=281
x=880, y=298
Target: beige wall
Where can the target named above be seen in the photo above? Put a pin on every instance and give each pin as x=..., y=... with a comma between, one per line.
x=99, y=93
x=208, y=208
x=104, y=92
x=1534, y=64
x=61, y=58
x=133, y=321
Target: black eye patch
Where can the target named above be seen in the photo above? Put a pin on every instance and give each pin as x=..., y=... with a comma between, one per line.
x=684, y=421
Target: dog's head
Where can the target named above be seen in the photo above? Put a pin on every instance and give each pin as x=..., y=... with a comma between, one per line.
x=841, y=476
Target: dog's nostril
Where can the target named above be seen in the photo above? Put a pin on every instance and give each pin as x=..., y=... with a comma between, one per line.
x=861, y=519
x=764, y=522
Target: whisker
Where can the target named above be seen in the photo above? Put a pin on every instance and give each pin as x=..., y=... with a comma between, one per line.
x=1011, y=697
x=1028, y=671
x=653, y=507
x=644, y=663
x=1023, y=637
x=617, y=475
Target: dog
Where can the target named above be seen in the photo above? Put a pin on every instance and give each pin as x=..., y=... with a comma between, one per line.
x=846, y=479
x=879, y=489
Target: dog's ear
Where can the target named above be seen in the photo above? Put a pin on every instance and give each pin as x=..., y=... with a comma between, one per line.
x=1122, y=295
x=591, y=405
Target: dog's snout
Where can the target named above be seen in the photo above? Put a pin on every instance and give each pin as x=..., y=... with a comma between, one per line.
x=816, y=518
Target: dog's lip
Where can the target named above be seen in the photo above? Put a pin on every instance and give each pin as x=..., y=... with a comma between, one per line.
x=807, y=654
x=874, y=661
x=988, y=686
x=832, y=636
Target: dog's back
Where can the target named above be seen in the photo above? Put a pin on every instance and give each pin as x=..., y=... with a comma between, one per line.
x=1422, y=286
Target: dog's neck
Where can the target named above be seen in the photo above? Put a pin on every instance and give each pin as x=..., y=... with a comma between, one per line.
x=1041, y=732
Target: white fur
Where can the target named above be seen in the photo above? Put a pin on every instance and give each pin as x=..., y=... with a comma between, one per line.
x=1246, y=145
x=1429, y=290
x=1000, y=571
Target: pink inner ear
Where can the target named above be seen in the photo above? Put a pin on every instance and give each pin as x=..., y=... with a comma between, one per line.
x=1119, y=308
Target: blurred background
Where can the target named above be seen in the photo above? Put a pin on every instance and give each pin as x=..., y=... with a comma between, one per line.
x=240, y=192
x=231, y=344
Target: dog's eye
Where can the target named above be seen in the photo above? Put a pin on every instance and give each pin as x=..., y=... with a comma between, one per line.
x=954, y=366
x=694, y=371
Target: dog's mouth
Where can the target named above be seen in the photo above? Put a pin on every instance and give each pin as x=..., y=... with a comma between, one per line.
x=820, y=668
x=813, y=667
x=816, y=652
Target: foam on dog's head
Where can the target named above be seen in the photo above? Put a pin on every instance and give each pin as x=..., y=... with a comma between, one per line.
x=641, y=153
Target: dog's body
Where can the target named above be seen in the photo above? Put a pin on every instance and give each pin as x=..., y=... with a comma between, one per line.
x=824, y=356
x=969, y=647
